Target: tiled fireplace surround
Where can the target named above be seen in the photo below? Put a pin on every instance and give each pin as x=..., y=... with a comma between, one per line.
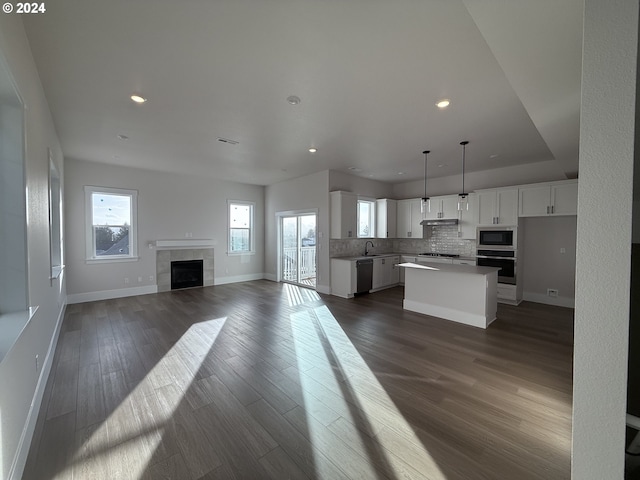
x=164, y=257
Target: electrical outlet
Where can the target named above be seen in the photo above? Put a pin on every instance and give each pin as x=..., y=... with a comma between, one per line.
x=563, y=250
x=552, y=292
x=151, y=278
x=139, y=279
x=126, y=280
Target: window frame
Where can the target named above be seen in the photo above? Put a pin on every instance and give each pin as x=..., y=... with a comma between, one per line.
x=372, y=217
x=252, y=213
x=90, y=253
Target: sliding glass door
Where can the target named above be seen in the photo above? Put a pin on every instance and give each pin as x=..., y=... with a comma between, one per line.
x=298, y=249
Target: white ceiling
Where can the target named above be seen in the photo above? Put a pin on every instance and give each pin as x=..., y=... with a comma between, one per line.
x=369, y=73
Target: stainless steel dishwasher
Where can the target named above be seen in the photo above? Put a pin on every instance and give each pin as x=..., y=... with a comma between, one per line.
x=364, y=275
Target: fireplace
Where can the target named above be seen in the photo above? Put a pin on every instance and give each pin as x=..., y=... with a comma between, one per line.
x=166, y=256
x=186, y=274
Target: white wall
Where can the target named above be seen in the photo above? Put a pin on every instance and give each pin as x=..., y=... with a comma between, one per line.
x=544, y=266
x=362, y=186
x=300, y=194
x=21, y=386
x=603, y=248
x=499, y=177
x=169, y=206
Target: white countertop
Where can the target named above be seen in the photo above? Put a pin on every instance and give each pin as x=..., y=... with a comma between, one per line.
x=378, y=255
x=445, y=267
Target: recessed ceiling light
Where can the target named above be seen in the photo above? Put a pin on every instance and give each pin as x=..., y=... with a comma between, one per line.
x=355, y=169
x=444, y=103
x=313, y=150
x=442, y=165
x=400, y=173
x=138, y=98
x=294, y=100
x=495, y=155
x=122, y=137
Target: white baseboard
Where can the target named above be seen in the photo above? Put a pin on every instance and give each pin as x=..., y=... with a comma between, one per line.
x=22, y=452
x=109, y=294
x=271, y=277
x=568, y=302
x=238, y=278
x=468, y=318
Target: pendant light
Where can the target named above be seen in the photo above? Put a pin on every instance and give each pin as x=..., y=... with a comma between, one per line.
x=463, y=204
x=424, y=205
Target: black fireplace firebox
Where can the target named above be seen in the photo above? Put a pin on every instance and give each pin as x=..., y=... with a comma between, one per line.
x=186, y=274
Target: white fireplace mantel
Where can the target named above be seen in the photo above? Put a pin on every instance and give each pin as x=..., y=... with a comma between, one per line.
x=184, y=243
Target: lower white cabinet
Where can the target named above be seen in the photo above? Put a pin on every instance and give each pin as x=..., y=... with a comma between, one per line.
x=509, y=294
x=343, y=277
x=386, y=272
x=464, y=261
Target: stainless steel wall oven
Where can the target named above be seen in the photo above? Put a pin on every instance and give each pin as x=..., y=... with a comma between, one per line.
x=503, y=259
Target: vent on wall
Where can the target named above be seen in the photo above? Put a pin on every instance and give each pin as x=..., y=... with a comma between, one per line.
x=227, y=140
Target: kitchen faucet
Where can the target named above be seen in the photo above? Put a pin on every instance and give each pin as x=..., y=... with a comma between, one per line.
x=366, y=252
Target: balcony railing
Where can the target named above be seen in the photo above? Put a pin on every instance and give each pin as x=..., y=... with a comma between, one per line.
x=307, y=264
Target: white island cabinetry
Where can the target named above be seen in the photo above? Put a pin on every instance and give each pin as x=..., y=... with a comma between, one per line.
x=434, y=289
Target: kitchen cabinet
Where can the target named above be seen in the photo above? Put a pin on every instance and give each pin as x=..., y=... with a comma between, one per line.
x=343, y=277
x=469, y=218
x=549, y=199
x=386, y=218
x=409, y=216
x=385, y=272
x=498, y=206
x=426, y=259
x=445, y=206
x=464, y=261
x=344, y=207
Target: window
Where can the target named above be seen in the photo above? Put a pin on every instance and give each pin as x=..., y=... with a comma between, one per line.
x=111, y=224
x=366, y=218
x=241, y=227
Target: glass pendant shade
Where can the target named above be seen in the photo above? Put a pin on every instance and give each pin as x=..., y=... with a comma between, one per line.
x=424, y=204
x=463, y=197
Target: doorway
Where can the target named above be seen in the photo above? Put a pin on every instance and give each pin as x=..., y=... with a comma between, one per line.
x=298, y=249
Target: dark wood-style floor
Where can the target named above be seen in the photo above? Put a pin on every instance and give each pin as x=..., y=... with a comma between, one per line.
x=263, y=380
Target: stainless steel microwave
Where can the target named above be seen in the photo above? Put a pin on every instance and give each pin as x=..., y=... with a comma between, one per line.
x=498, y=237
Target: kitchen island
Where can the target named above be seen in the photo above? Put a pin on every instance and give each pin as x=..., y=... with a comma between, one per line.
x=461, y=293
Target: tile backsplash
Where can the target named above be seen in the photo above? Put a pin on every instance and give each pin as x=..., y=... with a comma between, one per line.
x=352, y=247
x=442, y=239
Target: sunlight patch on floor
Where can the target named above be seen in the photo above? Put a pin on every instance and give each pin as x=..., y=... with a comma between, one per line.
x=348, y=409
x=299, y=296
x=127, y=439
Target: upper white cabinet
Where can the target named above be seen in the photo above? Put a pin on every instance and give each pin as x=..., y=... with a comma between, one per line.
x=344, y=207
x=498, y=206
x=386, y=218
x=445, y=206
x=469, y=218
x=549, y=199
x=409, y=216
